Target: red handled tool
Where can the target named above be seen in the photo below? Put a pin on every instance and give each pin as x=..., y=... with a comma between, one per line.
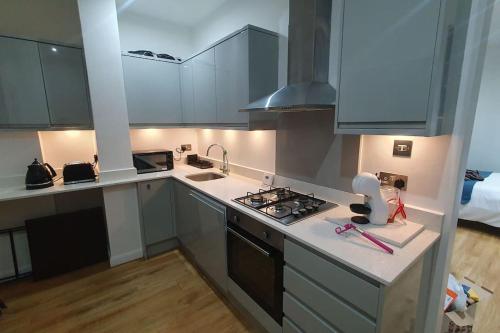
x=365, y=234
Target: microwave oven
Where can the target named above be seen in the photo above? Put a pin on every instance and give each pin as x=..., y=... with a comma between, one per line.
x=153, y=160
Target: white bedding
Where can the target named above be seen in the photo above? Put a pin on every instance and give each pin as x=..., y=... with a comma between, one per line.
x=484, y=205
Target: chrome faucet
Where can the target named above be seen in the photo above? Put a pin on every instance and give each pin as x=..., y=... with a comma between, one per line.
x=225, y=161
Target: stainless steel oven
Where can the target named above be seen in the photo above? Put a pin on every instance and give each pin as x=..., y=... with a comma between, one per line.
x=255, y=261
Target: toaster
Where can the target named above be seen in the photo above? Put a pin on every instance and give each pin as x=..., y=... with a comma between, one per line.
x=78, y=172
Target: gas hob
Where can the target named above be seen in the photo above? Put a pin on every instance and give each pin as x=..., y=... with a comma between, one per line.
x=284, y=205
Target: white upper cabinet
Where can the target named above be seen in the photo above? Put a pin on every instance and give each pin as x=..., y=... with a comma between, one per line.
x=231, y=59
x=42, y=85
x=247, y=69
x=395, y=59
x=65, y=85
x=205, y=102
x=208, y=89
x=153, y=91
x=187, y=91
x=22, y=94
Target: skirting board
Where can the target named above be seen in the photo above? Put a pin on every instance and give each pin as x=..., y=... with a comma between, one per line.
x=125, y=257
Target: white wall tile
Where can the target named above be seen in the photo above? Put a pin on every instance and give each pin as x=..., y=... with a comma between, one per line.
x=164, y=138
x=17, y=151
x=254, y=149
x=60, y=147
x=425, y=168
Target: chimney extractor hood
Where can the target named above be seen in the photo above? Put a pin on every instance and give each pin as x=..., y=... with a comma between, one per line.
x=308, y=62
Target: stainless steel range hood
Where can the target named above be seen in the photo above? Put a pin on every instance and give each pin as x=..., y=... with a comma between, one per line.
x=308, y=62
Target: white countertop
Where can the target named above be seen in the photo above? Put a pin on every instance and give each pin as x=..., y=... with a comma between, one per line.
x=315, y=232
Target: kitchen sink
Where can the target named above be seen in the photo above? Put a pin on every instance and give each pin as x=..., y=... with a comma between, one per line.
x=205, y=176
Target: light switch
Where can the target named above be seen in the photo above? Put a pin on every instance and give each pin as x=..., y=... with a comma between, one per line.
x=402, y=148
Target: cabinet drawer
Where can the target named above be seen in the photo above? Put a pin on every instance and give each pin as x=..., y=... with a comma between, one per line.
x=358, y=291
x=308, y=321
x=337, y=312
x=289, y=327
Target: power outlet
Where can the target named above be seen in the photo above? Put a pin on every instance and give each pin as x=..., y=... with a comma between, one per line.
x=395, y=180
x=186, y=147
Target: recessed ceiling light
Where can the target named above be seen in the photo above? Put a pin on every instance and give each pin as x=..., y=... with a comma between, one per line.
x=54, y=49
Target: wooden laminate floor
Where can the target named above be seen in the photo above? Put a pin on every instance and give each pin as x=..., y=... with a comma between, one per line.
x=476, y=254
x=163, y=294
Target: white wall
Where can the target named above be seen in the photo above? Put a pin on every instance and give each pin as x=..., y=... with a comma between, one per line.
x=60, y=147
x=106, y=87
x=164, y=138
x=109, y=108
x=17, y=150
x=483, y=153
x=54, y=20
x=233, y=15
x=139, y=32
x=425, y=168
x=255, y=149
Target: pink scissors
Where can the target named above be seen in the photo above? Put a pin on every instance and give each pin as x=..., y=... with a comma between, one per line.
x=350, y=226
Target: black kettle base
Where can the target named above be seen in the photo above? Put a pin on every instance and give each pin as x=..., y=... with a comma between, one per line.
x=39, y=186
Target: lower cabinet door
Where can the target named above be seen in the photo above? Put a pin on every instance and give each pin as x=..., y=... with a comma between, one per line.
x=209, y=245
x=155, y=197
x=185, y=217
x=308, y=321
x=289, y=327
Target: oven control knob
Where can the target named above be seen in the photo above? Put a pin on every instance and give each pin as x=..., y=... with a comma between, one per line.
x=236, y=219
x=296, y=213
x=265, y=235
x=309, y=208
x=302, y=210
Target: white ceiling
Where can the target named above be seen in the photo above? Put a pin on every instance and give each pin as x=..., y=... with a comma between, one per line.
x=182, y=12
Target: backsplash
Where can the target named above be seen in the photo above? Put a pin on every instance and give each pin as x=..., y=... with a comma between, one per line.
x=425, y=167
x=251, y=149
x=60, y=147
x=308, y=150
x=18, y=149
x=164, y=138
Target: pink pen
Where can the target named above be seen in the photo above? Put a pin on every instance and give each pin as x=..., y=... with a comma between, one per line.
x=365, y=234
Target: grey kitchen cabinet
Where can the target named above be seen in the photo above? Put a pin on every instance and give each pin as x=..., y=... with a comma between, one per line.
x=209, y=88
x=152, y=88
x=322, y=295
x=22, y=95
x=232, y=85
x=398, y=66
x=66, y=85
x=204, y=97
x=200, y=224
x=185, y=218
x=187, y=91
x=246, y=70
x=157, y=216
x=236, y=70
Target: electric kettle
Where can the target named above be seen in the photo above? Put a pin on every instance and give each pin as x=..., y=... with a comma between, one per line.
x=39, y=175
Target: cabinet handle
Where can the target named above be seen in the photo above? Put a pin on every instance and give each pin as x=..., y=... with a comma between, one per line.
x=236, y=219
x=249, y=242
x=205, y=202
x=148, y=186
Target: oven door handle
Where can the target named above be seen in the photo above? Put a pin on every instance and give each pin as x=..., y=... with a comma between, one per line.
x=249, y=242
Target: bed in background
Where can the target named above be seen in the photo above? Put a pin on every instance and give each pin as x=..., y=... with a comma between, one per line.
x=483, y=204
